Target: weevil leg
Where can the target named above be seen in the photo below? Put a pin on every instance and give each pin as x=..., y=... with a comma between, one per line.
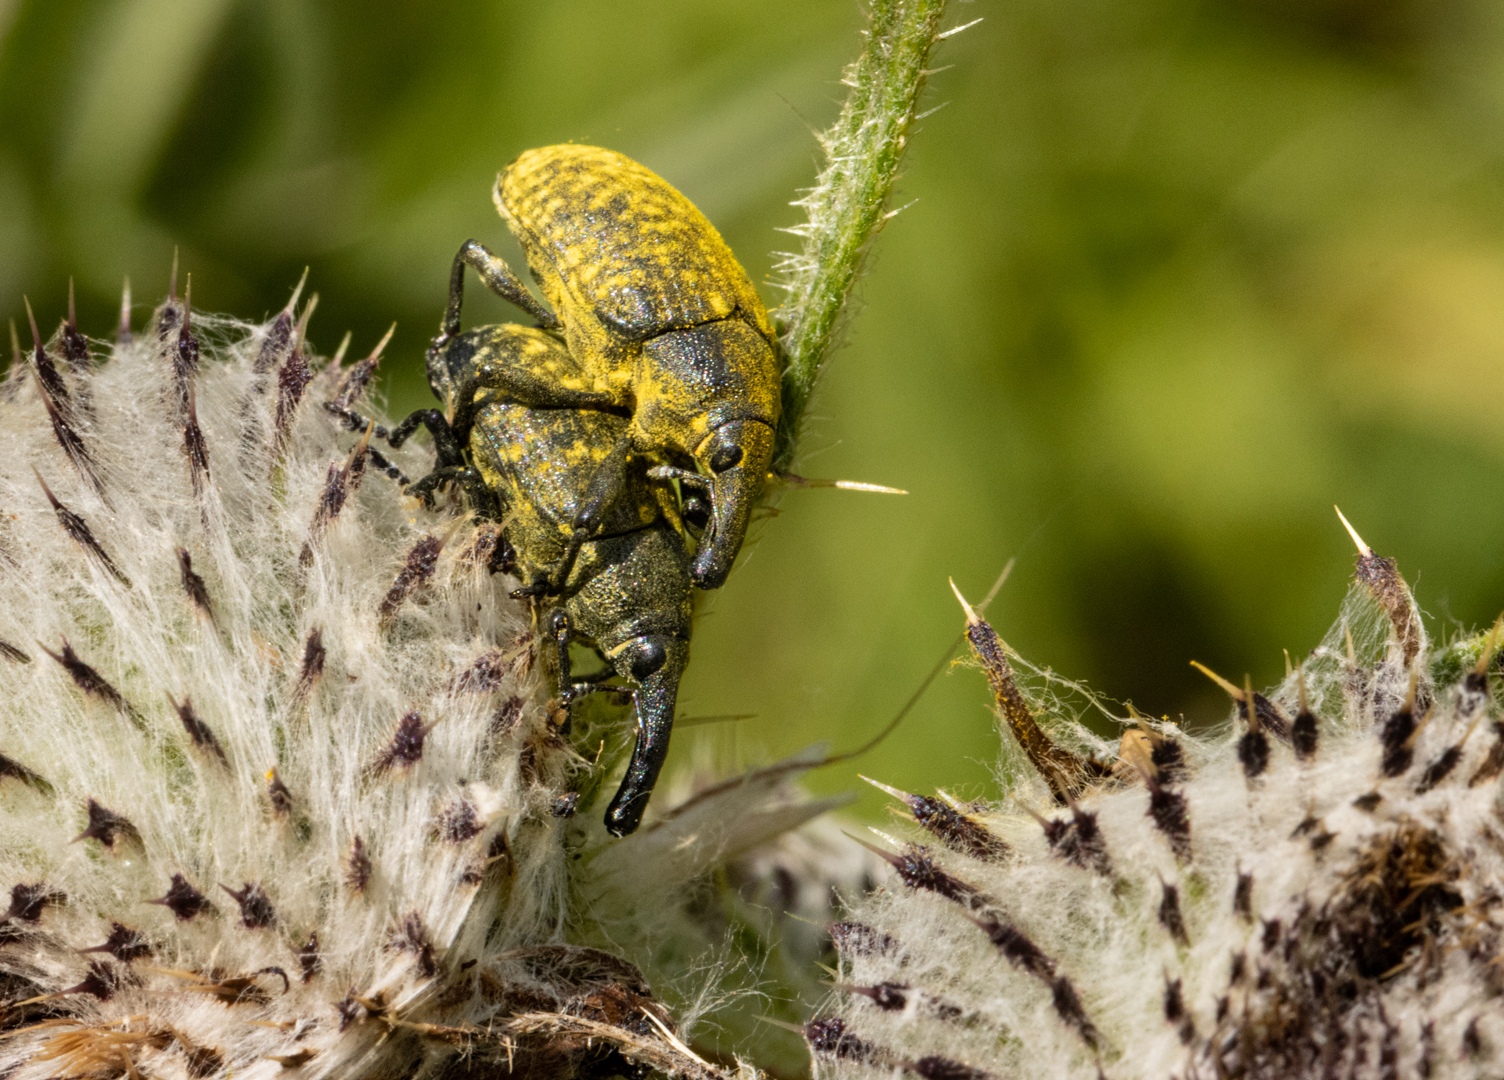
x=499, y=278
x=449, y=467
x=504, y=557
x=475, y=488
x=479, y=494
x=596, y=679
x=353, y=420
x=684, y=476
x=447, y=446
x=695, y=505
x=544, y=386
x=562, y=631
x=384, y=463
x=538, y=586
x=423, y=487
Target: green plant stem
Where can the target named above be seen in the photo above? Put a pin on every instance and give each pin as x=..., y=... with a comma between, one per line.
x=849, y=202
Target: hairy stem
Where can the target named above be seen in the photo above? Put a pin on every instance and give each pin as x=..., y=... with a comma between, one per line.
x=849, y=201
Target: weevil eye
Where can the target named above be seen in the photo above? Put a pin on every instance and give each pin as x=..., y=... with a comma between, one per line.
x=725, y=456
x=648, y=655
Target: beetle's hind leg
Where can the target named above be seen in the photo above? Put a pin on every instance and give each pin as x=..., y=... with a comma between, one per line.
x=499, y=278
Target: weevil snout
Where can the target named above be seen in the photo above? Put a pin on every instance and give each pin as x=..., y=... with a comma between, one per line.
x=736, y=457
x=655, y=662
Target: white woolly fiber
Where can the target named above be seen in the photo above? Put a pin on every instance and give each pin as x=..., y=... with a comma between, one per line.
x=1342, y=914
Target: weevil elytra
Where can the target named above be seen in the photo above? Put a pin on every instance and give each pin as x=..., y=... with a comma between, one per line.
x=659, y=317
x=626, y=589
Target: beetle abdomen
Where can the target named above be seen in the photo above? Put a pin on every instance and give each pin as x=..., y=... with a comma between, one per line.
x=635, y=253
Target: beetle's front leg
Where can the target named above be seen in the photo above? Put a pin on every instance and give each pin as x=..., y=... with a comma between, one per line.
x=562, y=631
x=449, y=466
x=482, y=500
x=499, y=278
x=354, y=421
x=695, y=505
x=684, y=476
x=448, y=448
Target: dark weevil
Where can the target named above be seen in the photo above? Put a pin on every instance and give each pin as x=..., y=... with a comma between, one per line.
x=625, y=590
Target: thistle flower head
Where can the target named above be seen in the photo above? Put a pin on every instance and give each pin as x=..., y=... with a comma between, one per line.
x=1312, y=890
x=283, y=784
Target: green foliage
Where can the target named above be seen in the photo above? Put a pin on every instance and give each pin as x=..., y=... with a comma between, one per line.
x=850, y=200
x=1179, y=276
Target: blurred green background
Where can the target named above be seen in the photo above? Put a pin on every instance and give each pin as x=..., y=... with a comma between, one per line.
x=1179, y=276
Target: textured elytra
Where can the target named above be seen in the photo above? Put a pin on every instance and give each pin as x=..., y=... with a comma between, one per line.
x=279, y=786
x=627, y=247
x=1319, y=893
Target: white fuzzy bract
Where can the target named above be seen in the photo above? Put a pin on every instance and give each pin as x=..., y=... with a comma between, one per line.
x=1238, y=904
x=282, y=788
